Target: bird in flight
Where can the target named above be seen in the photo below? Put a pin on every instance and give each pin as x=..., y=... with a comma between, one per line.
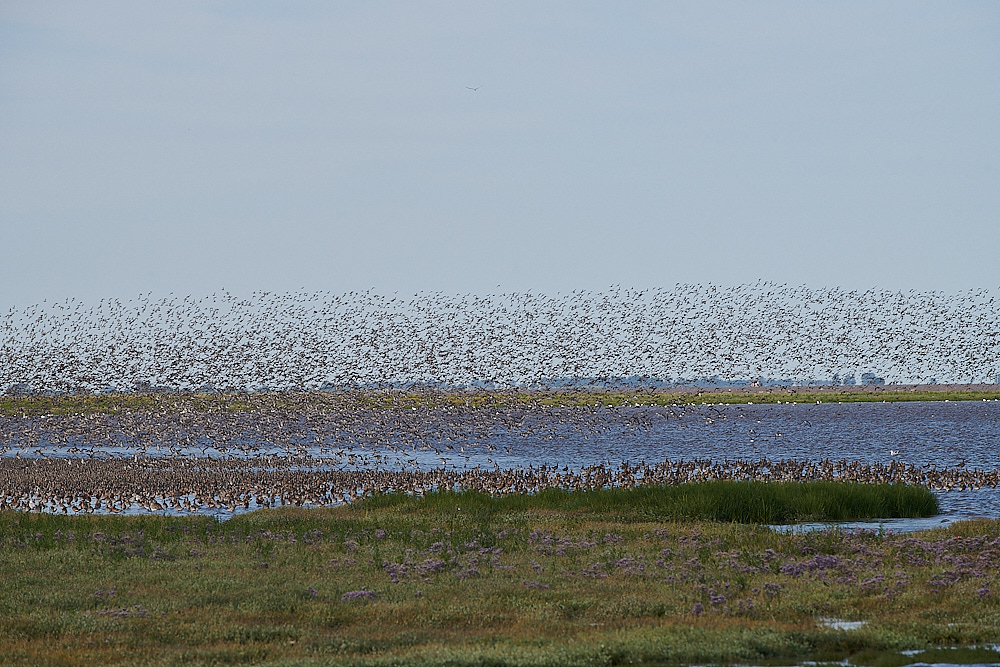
x=471, y=88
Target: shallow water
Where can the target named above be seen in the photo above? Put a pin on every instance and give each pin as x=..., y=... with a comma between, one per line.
x=941, y=435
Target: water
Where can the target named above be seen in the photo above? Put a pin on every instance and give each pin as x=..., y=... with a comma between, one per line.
x=929, y=435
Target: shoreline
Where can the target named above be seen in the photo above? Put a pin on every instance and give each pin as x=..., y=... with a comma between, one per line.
x=845, y=389
x=26, y=405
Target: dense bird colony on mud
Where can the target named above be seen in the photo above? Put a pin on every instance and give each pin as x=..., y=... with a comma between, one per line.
x=179, y=485
x=230, y=453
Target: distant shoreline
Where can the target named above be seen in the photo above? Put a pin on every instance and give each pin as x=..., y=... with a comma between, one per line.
x=430, y=398
x=840, y=389
x=807, y=393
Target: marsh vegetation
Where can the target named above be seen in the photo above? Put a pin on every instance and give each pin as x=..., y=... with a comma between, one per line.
x=553, y=578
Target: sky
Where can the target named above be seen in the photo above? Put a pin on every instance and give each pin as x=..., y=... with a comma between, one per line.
x=189, y=147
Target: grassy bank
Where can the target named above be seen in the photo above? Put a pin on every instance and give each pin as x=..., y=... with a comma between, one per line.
x=18, y=406
x=464, y=579
x=743, y=502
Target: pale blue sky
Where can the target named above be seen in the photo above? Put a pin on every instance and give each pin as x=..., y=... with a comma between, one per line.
x=185, y=147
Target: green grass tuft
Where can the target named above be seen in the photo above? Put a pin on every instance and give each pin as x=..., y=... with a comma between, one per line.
x=742, y=502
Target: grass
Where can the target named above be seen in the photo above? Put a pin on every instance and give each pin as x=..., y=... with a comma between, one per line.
x=551, y=579
x=34, y=405
x=744, y=502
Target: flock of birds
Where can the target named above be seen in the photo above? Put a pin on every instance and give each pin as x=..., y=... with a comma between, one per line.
x=313, y=387
x=230, y=485
x=690, y=333
x=328, y=426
